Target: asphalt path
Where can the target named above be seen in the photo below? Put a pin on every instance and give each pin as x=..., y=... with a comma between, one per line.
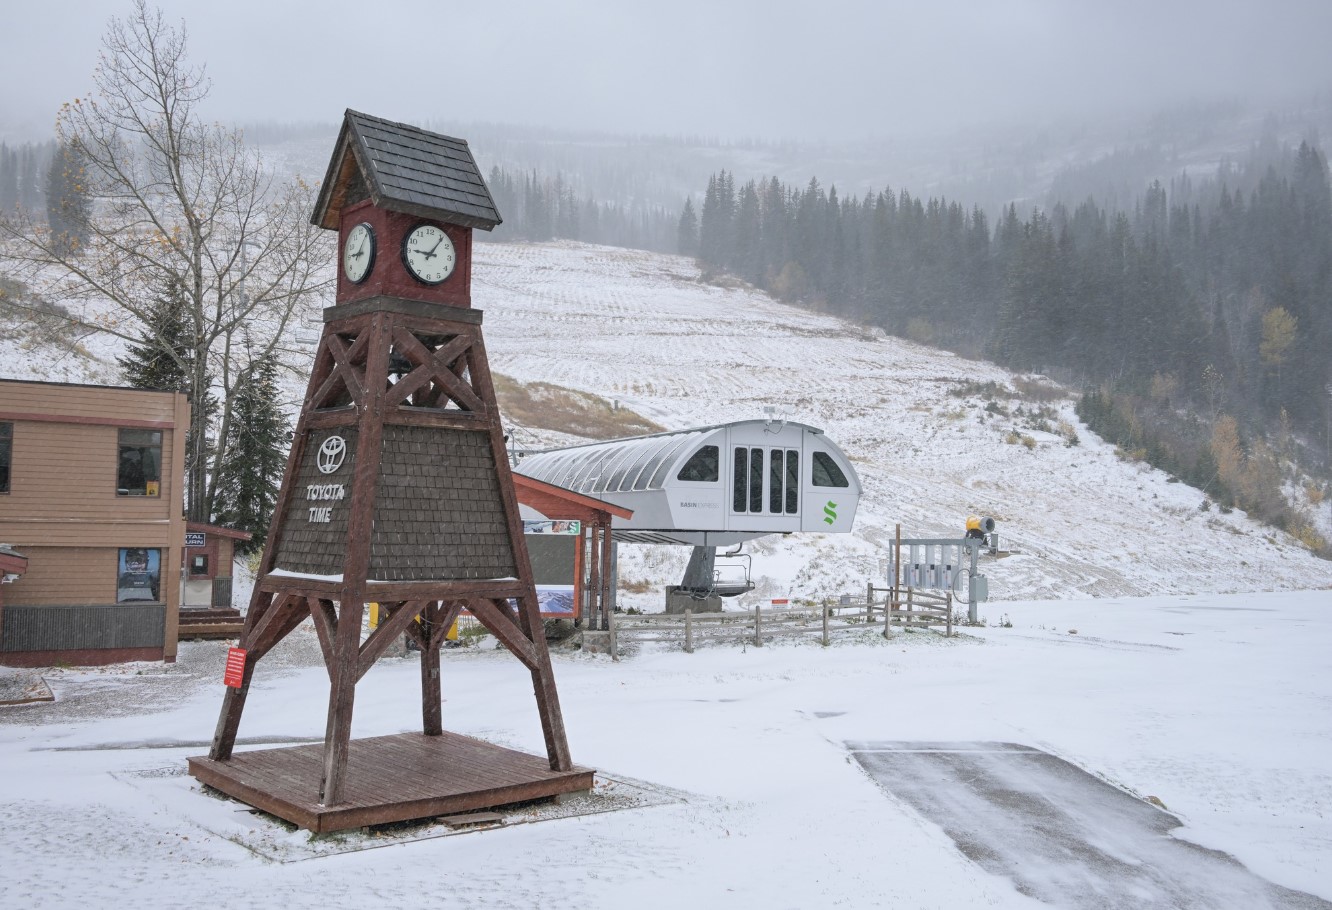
x=1063, y=836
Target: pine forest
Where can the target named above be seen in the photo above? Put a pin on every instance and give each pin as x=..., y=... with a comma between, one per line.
x=1197, y=322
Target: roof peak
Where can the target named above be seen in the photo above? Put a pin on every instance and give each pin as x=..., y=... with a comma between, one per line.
x=403, y=168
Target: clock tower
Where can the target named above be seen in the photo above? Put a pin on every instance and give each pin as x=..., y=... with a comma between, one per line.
x=397, y=489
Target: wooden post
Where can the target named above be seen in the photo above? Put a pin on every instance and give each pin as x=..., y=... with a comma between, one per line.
x=614, y=638
x=582, y=583
x=897, y=568
x=605, y=559
x=351, y=597
x=948, y=605
x=689, y=631
x=869, y=603
x=594, y=580
x=758, y=625
x=432, y=720
x=826, y=610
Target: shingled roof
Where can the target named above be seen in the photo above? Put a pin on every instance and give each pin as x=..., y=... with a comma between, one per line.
x=404, y=169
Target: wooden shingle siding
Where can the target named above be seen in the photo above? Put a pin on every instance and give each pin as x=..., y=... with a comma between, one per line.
x=404, y=169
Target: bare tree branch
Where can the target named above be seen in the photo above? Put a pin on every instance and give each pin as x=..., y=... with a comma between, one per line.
x=175, y=201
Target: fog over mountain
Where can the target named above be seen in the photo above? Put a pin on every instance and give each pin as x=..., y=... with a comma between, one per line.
x=840, y=70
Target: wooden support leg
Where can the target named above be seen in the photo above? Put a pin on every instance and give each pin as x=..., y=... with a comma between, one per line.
x=233, y=702
x=432, y=722
x=342, y=697
x=543, y=685
x=228, y=722
x=281, y=618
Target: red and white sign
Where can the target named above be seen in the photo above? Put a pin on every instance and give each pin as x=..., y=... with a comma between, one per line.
x=235, y=673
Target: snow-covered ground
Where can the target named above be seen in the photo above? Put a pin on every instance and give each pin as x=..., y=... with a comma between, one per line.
x=1125, y=652
x=638, y=328
x=1218, y=706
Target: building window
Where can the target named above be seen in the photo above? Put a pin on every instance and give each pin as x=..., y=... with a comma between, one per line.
x=792, y=481
x=139, y=577
x=826, y=472
x=702, y=466
x=6, y=452
x=139, y=471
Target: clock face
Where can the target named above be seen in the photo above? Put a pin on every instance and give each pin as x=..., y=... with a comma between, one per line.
x=358, y=253
x=428, y=254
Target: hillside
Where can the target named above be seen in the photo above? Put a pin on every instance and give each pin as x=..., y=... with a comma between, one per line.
x=934, y=437
x=1077, y=521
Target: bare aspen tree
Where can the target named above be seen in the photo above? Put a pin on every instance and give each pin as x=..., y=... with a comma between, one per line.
x=176, y=202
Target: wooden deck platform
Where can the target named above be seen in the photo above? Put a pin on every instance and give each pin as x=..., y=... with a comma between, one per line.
x=389, y=779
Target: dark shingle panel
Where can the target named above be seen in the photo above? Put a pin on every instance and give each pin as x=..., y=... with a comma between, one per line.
x=420, y=172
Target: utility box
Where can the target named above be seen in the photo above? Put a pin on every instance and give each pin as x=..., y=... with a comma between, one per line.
x=980, y=588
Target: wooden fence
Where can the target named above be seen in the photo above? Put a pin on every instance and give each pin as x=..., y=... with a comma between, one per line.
x=850, y=613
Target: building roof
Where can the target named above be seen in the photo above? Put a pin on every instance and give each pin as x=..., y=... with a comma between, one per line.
x=219, y=530
x=622, y=465
x=632, y=465
x=406, y=169
x=531, y=491
x=12, y=562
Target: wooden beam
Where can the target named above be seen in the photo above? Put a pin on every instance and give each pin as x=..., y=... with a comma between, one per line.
x=448, y=615
x=500, y=624
x=256, y=630
x=417, y=634
x=342, y=369
x=326, y=628
x=294, y=612
x=378, y=336
x=383, y=636
x=331, y=418
x=432, y=366
x=394, y=591
x=543, y=685
x=444, y=590
x=441, y=418
x=529, y=613
x=228, y=721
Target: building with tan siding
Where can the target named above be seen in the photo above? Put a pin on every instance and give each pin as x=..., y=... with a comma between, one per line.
x=91, y=494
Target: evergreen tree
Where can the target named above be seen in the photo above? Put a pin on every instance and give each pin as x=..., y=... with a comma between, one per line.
x=67, y=203
x=9, y=180
x=248, y=484
x=686, y=234
x=164, y=359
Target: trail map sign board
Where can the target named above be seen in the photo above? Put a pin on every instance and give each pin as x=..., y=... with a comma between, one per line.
x=397, y=490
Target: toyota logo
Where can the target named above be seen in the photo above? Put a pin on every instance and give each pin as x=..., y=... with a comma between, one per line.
x=331, y=454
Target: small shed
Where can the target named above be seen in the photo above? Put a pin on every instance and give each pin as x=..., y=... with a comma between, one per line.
x=568, y=542
x=210, y=551
x=12, y=566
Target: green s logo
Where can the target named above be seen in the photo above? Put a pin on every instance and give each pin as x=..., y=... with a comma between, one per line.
x=830, y=512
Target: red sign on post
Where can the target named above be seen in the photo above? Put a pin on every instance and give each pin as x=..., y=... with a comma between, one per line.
x=235, y=673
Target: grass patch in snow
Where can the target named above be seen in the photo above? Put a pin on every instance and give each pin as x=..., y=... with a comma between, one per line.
x=545, y=406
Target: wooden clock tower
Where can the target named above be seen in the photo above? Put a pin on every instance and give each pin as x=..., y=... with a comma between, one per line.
x=397, y=491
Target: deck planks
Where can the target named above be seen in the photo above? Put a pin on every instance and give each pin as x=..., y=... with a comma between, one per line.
x=389, y=779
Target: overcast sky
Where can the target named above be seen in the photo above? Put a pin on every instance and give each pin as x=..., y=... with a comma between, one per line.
x=773, y=69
